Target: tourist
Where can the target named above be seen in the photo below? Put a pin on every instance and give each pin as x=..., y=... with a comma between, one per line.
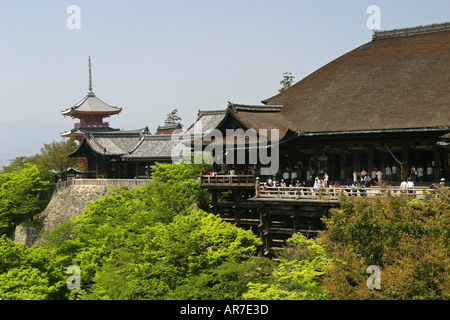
x=293, y=176
x=354, y=186
x=403, y=186
x=374, y=173
x=413, y=173
x=317, y=184
x=420, y=174
x=388, y=174
x=367, y=180
x=286, y=176
x=410, y=186
x=355, y=176
x=429, y=174
x=394, y=173
x=310, y=182
x=379, y=176
x=325, y=180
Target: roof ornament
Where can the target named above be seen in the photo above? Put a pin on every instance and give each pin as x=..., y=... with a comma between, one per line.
x=90, y=92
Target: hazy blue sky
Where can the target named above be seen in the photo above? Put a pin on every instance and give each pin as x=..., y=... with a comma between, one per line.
x=152, y=56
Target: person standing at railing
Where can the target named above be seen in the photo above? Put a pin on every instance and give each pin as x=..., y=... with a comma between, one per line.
x=388, y=174
x=410, y=186
x=286, y=176
x=430, y=173
x=420, y=173
x=379, y=176
x=394, y=173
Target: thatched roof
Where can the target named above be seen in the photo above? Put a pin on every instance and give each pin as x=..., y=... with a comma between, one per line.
x=398, y=80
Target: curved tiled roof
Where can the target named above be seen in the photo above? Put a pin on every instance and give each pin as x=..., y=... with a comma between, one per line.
x=91, y=105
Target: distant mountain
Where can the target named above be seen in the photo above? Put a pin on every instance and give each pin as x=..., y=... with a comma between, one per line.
x=26, y=137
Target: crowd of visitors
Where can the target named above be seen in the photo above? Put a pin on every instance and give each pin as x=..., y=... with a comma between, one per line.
x=390, y=175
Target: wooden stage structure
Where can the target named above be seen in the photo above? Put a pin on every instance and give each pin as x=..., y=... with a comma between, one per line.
x=276, y=213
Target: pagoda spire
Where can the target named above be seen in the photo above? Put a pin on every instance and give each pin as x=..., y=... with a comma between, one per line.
x=90, y=92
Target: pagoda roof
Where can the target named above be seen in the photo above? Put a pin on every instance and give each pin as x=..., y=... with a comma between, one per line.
x=113, y=143
x=157, y=148
x=90, y=104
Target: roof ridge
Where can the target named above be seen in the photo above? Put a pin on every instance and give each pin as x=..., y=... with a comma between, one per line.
x=256, y=108
x=410, y=31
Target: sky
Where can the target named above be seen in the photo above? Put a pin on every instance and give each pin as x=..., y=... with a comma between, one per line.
x=150, y=57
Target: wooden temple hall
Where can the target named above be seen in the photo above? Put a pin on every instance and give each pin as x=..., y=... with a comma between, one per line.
x=384, y=103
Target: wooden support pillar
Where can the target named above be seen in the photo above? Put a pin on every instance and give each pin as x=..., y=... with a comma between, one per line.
x=437, y=161
x=214, y=201
x=445, y=165
x=291, y=157
x=316, y=159
x=237, y=207
x=405, y=161
x=96, y=167
x=369, y=157
x=356, y=162
x=342, y=161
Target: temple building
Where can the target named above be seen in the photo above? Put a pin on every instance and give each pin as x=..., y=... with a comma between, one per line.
x=382, y=104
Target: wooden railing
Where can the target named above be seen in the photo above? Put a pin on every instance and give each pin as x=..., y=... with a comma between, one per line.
x=103, y=182
x=335, y=193
x=228, y=179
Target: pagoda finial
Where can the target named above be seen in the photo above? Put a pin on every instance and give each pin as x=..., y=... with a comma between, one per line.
x=90, y=92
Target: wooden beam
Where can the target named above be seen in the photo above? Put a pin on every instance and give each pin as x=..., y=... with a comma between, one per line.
x=342, y=160
x=437, y=161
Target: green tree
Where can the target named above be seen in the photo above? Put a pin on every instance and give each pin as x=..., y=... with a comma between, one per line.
x=287, y=81
x=53, y=159
x=23, y=194
x=297, y=276
x=173, y=256
x=18, y=164
x=29, y=273
x=173, y=118
x=406, y=238
x=153, y=243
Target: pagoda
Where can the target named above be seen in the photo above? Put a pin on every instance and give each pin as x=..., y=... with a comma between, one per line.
x=90, y=111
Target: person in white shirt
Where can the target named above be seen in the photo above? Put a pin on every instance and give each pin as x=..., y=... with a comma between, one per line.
x=403, y=187
x=286, y=176
x=410, y=186
x=388, y=173
x=293, y=176
x=430, y=174
x=374, y=173
x=420, y=174
x=394, y=173
x=379, y=176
